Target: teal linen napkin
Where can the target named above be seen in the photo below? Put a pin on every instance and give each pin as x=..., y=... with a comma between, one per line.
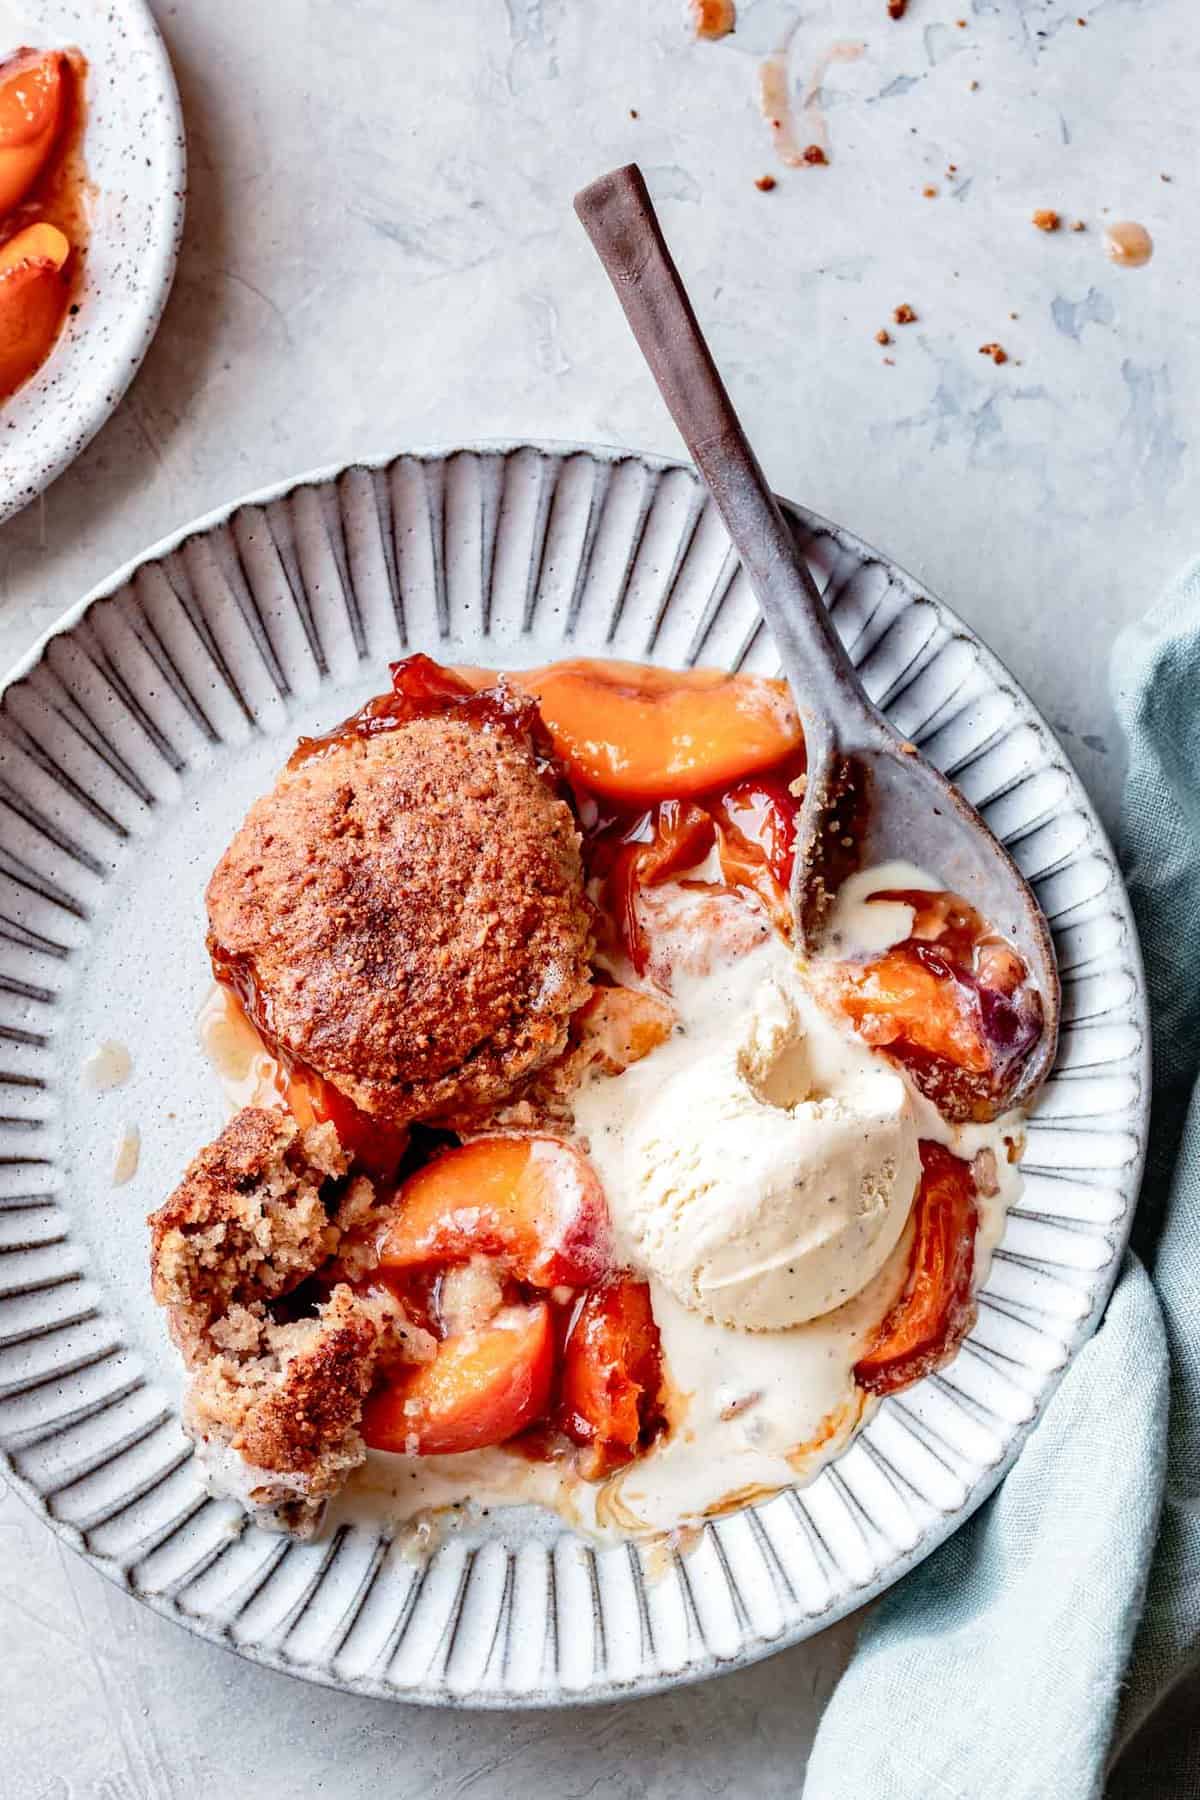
x=1049, y=1650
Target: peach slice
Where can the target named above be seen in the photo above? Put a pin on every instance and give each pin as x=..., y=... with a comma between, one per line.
x=932, y=1317
x=37, y=243
x=903, y=998
x=612, y=1376
x=534, y=1201
x=481, y=1388
x=618, y=1026
x=33, y=298
x=312, y=1101
x=31, y=106
x=635, y=733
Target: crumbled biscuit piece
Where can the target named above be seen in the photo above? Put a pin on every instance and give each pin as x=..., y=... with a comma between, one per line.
x=883, y=337
x=897, y=8
x=765, y=183
x=904, y=315
x=357, y=1221
x=1078, y=225
x=996, y=351
x=248, y=1221
x=813, y=154
x=1046, y=219
x=287, y=1399
x=930, y=193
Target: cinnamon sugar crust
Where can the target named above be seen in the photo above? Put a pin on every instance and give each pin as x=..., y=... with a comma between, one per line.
x=406, y=911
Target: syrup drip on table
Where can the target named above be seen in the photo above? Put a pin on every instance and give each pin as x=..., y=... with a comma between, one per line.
x=1128, y=244
x=775, y=102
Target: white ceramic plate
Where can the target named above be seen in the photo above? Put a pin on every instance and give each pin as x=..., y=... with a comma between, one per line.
x=135, y=155
x=131, y=741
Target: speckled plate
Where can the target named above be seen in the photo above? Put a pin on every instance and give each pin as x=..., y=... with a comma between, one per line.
x=132, y=739
x=135, y=155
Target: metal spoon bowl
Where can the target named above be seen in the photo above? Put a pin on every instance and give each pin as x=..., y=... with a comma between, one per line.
x=868, y=793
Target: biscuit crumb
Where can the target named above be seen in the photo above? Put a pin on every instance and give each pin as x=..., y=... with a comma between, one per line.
x=814, y=155
x=1078, y=225
x=633, y=112
x=247, y=1223
x=996, y=351
x=883, y=337
x=765, y=183
x=930, y=193
x=1046, y=219
x=897, y=8
x=904, y=315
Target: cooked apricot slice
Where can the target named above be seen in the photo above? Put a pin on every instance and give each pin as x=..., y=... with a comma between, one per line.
x=675, y=835
x=481, y=1388
x=41, y=242
x=312, y=1100
x=909, y=996
x=756, y=837
x=534, y=1201
x=618, y=1026
x=612, y=1376
x=637, y=733
x=33, y=299
x=952, y=1003
x=31, y=105
x=934, y=1314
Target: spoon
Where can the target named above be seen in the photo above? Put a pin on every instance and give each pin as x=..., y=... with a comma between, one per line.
x=870, y=797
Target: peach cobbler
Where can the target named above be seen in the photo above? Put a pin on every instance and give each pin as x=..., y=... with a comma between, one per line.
x=557, y=1175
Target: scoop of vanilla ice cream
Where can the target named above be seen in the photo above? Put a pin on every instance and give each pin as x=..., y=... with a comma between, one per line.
x=771, y=1177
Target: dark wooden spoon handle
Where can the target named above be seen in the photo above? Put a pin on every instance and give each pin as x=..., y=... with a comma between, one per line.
x=619, y=217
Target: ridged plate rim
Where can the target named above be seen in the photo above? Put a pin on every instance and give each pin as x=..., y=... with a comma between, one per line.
x=753, y=1646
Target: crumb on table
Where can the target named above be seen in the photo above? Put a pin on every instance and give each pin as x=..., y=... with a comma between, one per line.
x=765, y=183
x=1046, y=219
x=883, y=337
x=904, y=314
x=814, y=155
x=997, y=352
